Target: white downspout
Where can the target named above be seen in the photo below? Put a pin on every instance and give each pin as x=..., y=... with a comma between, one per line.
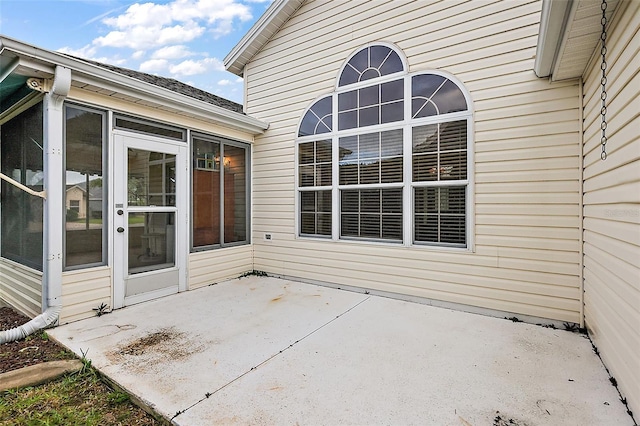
x=53, y=209
x=581, y=186
x=54, y=182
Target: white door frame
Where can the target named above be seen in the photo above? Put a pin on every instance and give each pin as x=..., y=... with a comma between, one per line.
x=123, y=140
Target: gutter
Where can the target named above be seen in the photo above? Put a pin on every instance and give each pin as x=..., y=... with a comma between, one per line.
x=125, y=85
x=553, y=22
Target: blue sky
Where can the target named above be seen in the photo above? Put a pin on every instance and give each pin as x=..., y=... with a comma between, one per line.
x=183, y=39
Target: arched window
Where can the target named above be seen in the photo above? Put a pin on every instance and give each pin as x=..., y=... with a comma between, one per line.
x=318, y=118
x=370, y=62
x=392, y=163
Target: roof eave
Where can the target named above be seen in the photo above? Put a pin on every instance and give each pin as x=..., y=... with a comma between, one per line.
x=135, y=88
x=277, y=13
x=553, y=22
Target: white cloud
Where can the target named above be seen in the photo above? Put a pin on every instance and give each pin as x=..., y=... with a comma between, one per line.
x=138, y=54
x=224, y=82
x=148, y=25
x=147, y=37
x=190, y=67
x=239, y=80
x=141, y=15
x=172, y=52
x=154, y=66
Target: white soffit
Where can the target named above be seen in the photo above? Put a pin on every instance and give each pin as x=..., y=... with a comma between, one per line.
x=259, y=34
x=569, y=34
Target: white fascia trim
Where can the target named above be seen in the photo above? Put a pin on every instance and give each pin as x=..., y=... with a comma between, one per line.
x=139, y=89
x=256, y=36
x=153, y=94
x=552, y=31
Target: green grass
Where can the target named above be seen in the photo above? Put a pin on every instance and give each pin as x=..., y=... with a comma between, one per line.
x=78, y=399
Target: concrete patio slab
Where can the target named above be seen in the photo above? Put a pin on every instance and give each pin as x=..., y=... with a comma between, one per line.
x=270, y=351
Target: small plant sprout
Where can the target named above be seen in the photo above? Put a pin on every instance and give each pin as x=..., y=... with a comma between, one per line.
x=86, y=362
x=102, y=309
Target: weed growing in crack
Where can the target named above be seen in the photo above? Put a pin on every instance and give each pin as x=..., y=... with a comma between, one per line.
x=253, y=273
x=86, y=362
x=614, y=383
x=102, y=309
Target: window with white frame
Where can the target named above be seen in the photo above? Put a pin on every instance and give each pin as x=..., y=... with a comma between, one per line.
x=386, y=156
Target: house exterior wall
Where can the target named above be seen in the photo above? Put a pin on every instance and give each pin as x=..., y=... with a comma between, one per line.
x=21, y=287
x=86, y=289
x=213, y=266
x=612, y=205
x=527, y=155
x=83, y=290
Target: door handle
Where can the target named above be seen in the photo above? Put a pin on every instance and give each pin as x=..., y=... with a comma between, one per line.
x=120, y=229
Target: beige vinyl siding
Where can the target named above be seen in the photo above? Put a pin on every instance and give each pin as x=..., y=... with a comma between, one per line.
x=213, y=266
x=82, y=291
x=612, y=205
x=21, y=287
x=527, y=154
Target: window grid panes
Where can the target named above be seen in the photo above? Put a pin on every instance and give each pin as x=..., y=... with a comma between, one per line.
x=433, y=94
x=371, y=213
x=318, y=118
x=315, y=163
x=371, y=158
x=371, y=105
x=371, y=62
x=440, y=151
x=375, y=177
x=440, y=215
x=315, y=213
x=314, y=159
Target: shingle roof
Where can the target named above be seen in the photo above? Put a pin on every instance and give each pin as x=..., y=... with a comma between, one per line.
x=171, y=84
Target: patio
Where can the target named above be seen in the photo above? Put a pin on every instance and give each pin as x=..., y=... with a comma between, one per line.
x=262, y=350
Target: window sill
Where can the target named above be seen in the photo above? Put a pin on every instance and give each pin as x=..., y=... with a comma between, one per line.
x=390, y=244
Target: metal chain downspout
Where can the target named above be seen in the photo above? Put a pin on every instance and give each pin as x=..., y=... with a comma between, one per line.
x=603, y=81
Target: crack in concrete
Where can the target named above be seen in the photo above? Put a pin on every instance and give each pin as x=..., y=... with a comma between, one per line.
x=209, y=394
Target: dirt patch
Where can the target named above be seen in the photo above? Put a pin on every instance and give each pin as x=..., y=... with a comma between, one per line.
x=31, y=350
x=160, y=341
x=148, y=351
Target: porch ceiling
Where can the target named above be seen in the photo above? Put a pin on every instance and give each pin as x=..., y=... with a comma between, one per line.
x=13, y=82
